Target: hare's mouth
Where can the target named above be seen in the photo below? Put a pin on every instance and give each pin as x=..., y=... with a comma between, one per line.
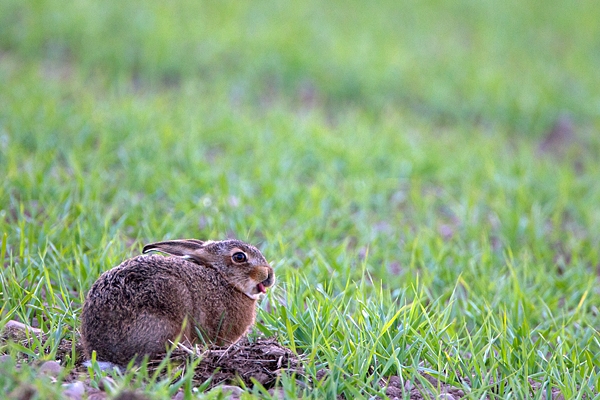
x=254, y=292
x=257, y=286
x=261, y=288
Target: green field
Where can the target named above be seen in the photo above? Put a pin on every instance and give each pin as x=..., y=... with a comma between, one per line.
x=394, y=161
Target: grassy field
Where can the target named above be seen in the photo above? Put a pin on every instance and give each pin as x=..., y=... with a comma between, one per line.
x=395, y=162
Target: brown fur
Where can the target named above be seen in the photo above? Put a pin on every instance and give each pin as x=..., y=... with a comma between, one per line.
x=136, y=308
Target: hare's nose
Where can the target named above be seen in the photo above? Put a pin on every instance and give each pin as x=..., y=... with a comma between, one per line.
x=270, y=279
x=261, y=274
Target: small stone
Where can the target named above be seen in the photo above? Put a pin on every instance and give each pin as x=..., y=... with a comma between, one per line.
x=19, y=326
x=179, y=396
x=74, y=391
x=446, y=396
x=5, y=358
x=277, y=393
x=51, y=368
x=95, y=394
x=98, y=396
x=232, y=390
x=130, y=395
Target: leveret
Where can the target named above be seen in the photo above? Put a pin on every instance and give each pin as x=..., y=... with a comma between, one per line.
x=203, y=290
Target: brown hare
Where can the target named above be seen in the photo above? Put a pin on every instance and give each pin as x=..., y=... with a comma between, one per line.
x=204, y=288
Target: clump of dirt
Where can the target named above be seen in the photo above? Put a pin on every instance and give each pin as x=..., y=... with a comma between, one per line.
x=263, y=360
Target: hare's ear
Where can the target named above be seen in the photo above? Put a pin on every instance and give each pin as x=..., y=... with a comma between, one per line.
x=191, y=249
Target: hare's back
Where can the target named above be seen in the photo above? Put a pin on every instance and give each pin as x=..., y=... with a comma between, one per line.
x=144, y=282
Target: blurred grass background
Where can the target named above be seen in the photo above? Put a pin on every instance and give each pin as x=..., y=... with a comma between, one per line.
x=381, y=154
x=505, y=63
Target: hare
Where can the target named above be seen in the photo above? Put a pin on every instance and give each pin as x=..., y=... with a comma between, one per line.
x=205, y=290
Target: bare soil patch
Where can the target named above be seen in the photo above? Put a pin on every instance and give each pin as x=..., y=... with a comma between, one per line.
x=262, y=360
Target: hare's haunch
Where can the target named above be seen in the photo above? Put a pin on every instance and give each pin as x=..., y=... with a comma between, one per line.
x=208, y=288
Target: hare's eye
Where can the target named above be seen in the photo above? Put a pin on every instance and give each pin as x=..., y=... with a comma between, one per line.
x=239, y=257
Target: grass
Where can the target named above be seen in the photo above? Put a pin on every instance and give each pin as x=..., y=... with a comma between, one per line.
x=384, y=157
